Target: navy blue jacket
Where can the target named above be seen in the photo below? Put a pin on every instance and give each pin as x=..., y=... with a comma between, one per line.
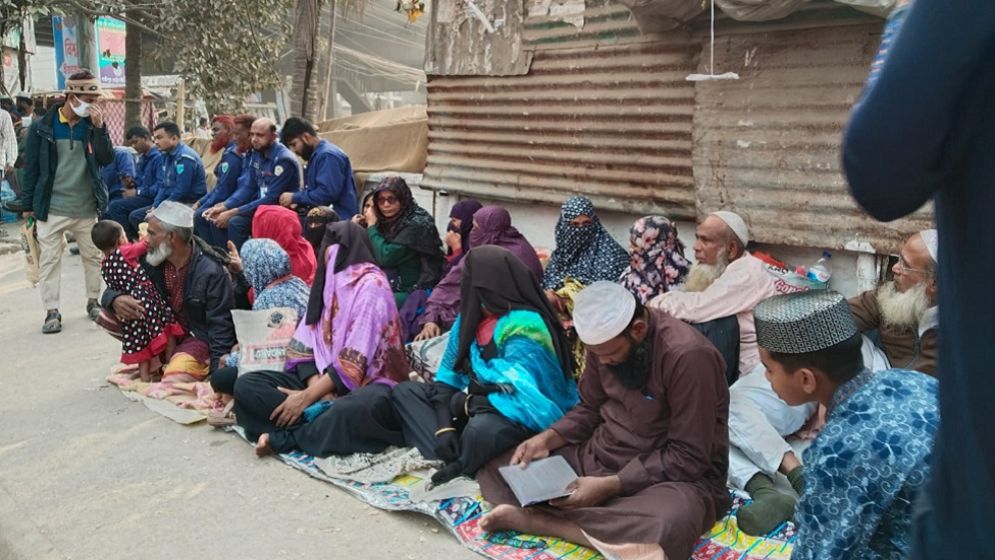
x=183, y=176
x=270, y=174
x=228, y=172
x=328, y=181
x=149, y=173
x=122, y=166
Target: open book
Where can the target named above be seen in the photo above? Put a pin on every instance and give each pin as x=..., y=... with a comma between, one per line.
x=543, y=480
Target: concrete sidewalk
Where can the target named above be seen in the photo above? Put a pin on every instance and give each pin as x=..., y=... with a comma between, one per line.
x=87, y=474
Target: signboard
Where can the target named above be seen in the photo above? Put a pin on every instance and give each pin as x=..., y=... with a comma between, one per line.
x=66, y=49
x=110, y=50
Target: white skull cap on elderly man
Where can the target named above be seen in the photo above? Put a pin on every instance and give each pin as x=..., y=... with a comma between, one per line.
x=932, y=240
x=735, y=223
x=602, y=311
x=174, y=214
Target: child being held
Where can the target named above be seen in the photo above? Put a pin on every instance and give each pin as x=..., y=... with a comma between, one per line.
x=146, y=338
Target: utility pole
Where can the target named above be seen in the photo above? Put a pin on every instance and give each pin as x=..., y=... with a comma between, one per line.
x=87, y=37
x=329, y=103
x=181, y=105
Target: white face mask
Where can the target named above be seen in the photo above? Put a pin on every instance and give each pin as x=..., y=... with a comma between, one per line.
x=25, y=121
x=82, y=110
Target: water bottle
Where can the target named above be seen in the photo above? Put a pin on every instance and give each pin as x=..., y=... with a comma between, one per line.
x=822, y=270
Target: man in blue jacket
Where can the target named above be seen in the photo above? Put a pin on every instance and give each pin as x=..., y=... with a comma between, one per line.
x=234, y=134
x=273, y=170
x=62, y=189
x=118, y=173
x=328, y=179
x=141, y=191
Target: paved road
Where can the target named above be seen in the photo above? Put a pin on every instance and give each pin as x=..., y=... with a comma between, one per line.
x=87, y=474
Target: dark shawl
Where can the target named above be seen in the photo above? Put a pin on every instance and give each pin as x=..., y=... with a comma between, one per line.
x=586, y=254
x=354, y=247
x=463, y=211
x=494, y=276
x=414, y=228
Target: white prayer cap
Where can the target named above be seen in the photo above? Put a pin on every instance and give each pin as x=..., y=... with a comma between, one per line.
x=932, y=240
x=174, y=214
x=602, y=311
x=735, y=223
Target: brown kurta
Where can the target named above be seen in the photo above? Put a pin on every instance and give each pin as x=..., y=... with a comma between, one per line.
x=904, y=348
x=669, y=444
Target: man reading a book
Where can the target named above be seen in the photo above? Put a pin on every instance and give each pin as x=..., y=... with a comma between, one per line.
x=649, y=440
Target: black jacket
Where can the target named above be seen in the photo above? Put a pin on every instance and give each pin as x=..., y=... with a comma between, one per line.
x=207, y=300
x=42, y=159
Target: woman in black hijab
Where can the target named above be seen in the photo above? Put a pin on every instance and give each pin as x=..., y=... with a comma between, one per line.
x=405, y=240
x=508, y=353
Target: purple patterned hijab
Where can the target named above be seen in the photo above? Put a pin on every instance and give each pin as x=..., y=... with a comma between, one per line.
x=656, y=262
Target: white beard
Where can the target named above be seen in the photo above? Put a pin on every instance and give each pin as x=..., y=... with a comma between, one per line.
x=902, y=310
x=701, y=276
x=158, y=255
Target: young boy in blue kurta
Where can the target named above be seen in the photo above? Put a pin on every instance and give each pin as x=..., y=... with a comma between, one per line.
x=864, y=471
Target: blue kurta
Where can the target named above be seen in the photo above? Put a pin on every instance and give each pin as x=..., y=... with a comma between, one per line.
x=863, y=472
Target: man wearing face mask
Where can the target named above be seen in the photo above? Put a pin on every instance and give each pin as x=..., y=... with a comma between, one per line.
x=63, y=191
x=648, y=441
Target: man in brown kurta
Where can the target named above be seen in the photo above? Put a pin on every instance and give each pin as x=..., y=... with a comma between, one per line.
x=649, y=440
x=903, y=311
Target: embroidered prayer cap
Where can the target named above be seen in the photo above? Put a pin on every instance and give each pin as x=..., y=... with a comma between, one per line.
x=804, y=322
x=85, y=86
x=932, y=241
x=735, y=223
x=174, y=214
x=602, y=311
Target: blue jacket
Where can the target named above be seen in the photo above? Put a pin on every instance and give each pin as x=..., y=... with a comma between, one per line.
x=328, y=181
x=183, y=176
x=270, y=174
x=229, y=174
x=149, y=173
x=122, y=166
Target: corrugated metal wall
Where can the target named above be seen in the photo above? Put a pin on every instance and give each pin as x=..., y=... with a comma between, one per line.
x=613, y=123
x=768, y=145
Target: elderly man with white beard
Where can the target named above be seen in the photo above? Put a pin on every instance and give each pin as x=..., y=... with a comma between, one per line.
x=904, y=311
x=192, y=278
x=725, y=281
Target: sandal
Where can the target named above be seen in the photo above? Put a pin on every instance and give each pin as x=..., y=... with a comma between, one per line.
x=223, y=417
x=53, y=323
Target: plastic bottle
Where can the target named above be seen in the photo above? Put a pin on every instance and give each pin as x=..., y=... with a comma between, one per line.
x=822, y=270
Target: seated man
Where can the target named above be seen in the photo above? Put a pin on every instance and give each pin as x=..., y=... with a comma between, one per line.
x=272, y=170
x=726, y=280
x=141, y=192
x=872, y=458
x=232, y=136
x=904, y=311
x=118, y=173
x=196, y=286
x=328, y=179
x=649, y=439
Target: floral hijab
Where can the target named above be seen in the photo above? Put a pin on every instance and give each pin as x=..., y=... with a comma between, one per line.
x=587, y=253
x=657, y=264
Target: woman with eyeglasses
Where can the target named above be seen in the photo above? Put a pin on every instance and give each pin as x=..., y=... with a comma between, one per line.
x=405, y=240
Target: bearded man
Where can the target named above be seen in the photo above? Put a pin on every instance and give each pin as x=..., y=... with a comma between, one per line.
x=232, y=136
x=725, y=281
x=193, y=280
x=904, y=311
x=648, y=440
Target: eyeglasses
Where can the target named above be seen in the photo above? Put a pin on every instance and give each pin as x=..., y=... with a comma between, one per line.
x=904, y=268
x=389, y=199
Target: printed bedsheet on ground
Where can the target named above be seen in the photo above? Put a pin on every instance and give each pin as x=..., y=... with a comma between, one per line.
x=461, y=510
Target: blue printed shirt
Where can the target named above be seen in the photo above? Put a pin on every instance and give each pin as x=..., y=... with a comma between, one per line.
x=863, y=472
x=122, y=166
x=328, y=181
x=269, y=174
x=228, y=173
x=183, y=176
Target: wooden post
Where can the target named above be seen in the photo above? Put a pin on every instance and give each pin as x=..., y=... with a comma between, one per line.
x=181, y=101
x=328, y=101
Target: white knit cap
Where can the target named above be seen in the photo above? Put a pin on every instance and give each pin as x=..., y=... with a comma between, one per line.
x=932, y=240
x=602, y=311
x=174, y=214
x=735, y=223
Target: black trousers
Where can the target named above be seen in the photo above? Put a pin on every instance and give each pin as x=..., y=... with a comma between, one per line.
x=724, y=335
x=361, y=422
x=483, y=437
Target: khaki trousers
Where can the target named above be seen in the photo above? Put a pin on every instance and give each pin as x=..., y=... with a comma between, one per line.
x=52, y=245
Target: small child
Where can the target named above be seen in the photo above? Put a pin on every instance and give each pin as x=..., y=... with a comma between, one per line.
x=154, y=334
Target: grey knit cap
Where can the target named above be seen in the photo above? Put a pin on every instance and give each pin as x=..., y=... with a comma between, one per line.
x=804, y=322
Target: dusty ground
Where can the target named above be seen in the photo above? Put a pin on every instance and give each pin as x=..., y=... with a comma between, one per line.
x=85, y=473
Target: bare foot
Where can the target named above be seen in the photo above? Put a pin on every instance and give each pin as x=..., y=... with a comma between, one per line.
x=262, y=446
x=506, y=517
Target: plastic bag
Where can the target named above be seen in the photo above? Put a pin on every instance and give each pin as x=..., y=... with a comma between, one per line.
x=29, y=243
x=263, y=337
